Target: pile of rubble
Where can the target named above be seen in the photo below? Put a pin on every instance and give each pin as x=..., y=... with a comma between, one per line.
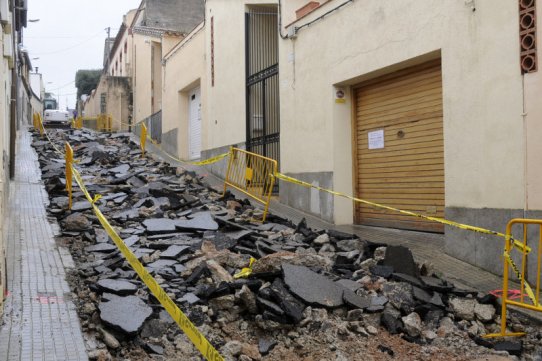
x=312, y=295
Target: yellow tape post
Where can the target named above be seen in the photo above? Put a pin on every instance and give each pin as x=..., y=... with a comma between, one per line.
x=143, y=139
x=517, y=244
x=40, y=125
x=193, y=334
x=69, y=163
x=35, y=120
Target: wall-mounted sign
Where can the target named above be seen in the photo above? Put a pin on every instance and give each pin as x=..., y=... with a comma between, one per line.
x=376, y=139
x=339, y=96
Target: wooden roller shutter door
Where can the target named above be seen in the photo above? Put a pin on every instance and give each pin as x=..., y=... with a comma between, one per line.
x=405, y=169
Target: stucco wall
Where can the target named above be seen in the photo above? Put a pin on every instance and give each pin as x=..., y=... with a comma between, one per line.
x=183, y=71
x=482, y=89
x=533, y=127
x=226, y=99
x=141, y=83
x=92, y=106
x=117, y=90
x=5, y=96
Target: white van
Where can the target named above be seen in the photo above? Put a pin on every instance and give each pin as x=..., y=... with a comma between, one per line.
x=56, y=117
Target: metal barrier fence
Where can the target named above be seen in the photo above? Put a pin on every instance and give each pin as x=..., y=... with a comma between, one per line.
x=101, y=123
x=77, y=123
x=251, y=174
x=528, y=298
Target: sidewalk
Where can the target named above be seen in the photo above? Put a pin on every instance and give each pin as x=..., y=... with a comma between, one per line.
x=40, y=321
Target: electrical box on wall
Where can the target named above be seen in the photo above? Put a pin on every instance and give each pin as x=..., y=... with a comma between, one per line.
x=292, y=32
x=4, y=10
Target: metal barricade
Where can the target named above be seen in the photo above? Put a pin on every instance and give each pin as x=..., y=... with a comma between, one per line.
x=69, y=162
x=253, y=175
x=528, y=298
x=104, y=122
x=101, y=123
x=77, y=123
x=90, y=122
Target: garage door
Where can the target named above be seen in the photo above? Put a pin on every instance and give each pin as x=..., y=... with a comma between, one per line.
x=399, y=147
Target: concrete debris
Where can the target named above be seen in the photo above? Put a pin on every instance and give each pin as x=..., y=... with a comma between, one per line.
x=311, y=287
x=484, y=313
x=118, y=287
x=463, y=307
x=413, y=324
x=402, y=261
x=125, y=314
x=308, y=289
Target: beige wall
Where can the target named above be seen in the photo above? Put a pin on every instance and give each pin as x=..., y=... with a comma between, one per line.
x=533, y=127
x=170, y=41
x=5, y=96
x=156, y=76
x=141, y=79
x=183, y=71
x=125, y=61
x=481, y=81
x=92, y=105
x=117, y=92
x=226, y=99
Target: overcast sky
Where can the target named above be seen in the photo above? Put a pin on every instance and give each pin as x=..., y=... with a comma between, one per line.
x=69, y=36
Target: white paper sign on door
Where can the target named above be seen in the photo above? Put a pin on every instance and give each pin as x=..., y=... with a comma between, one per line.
x=376, y=139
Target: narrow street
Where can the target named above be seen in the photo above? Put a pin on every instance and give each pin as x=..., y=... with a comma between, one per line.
x=283, y=180
x=192, y=241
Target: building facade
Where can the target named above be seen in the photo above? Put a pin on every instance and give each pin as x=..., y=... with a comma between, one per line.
x=418, y=105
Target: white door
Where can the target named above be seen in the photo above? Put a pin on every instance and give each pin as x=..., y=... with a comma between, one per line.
x=194, y=120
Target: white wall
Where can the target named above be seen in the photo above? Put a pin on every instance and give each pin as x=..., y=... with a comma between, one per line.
x=226, y=99
x=141, y=81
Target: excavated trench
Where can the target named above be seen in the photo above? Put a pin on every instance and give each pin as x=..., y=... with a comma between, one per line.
x=312, y=294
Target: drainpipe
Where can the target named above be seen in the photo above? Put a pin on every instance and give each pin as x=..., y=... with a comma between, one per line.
x=13, y=102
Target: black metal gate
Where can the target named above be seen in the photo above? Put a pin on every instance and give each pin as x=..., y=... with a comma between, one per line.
x=262, y=94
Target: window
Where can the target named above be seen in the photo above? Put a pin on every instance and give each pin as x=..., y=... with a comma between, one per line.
x=103, y=103
x=125, y=46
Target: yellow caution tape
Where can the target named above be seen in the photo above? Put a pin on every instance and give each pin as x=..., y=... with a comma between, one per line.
x=193, y=334
x=528, y=288
x=211, y=160
x=57, y=150
x=247, y=271
x=519, y=245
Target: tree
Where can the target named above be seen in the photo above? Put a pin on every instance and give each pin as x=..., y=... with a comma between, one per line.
x=86, y=81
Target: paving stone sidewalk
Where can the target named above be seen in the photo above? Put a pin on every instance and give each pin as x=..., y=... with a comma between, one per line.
x=40, y=321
